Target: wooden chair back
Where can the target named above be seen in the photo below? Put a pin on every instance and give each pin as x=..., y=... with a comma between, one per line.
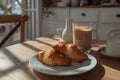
x=14, y=19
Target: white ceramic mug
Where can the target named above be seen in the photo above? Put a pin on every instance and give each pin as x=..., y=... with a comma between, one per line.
x=113, y=44
x=113, y=49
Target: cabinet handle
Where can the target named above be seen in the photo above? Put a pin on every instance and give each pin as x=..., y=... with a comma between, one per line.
x=83, y=14
x=118, y=15
x=50, y=12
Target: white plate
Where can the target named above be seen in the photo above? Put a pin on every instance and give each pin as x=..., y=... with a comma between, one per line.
x=75, y=68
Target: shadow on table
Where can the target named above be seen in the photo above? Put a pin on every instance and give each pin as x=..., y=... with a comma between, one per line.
x=11, y=63
x=108, y=61
x=96, y=73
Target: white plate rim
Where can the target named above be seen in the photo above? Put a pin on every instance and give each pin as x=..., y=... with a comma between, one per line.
x=94, y=62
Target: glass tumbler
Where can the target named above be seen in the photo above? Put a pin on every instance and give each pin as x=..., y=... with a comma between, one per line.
x=82, y=35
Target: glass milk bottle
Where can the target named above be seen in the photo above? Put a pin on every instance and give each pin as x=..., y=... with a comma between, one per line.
x=67, y=32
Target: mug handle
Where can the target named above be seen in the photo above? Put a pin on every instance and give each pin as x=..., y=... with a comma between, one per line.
x=114, y=32
x=59, y=31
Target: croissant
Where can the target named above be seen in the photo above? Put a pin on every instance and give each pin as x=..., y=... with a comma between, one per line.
x=53, y=58
x=71, y=51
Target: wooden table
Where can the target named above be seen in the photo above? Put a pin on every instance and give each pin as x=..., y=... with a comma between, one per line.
x=14, y=63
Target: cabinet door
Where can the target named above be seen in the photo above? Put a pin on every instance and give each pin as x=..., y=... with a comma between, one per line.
x=84, y=14
x=55, y=20
x=110, y=15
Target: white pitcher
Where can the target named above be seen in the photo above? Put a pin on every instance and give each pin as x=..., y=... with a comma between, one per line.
x=66, y=33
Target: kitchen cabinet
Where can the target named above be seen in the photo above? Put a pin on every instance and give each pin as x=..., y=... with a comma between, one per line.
x=103, y=19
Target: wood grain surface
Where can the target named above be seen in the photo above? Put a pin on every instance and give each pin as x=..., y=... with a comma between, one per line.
x=14, y=63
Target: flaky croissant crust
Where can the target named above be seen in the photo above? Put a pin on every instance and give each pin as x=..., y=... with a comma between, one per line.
x=71, y=51
x=53, y=58
x=62, y=55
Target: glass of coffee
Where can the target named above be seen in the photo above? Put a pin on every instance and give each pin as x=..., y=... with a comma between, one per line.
x=82, y=35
